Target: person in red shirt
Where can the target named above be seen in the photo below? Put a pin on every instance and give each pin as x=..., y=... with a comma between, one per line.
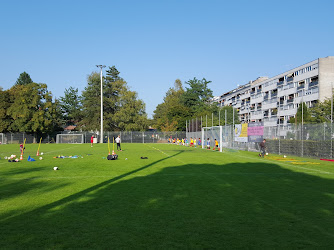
x=91, y=141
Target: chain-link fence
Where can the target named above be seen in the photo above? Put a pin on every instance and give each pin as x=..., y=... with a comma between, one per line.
x=308, y=140
x=126, y=137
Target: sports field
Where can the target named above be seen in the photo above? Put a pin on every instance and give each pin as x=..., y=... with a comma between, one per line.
x=179, y=197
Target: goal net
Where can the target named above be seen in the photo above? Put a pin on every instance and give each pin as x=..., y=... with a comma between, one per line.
x=2, y=137
x=70, y=138
x=212, y=133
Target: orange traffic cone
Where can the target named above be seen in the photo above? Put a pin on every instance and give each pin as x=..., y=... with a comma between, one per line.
x=21, y=157
x=113, y=152
x=37, y=153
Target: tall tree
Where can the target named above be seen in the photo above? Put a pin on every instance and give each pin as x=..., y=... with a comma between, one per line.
x=5, y=119
x=23, y=79
x=71, y=106
x=30, y=107
x=302, y=114
x=122, y=110
x=197, y=95
x=172, y=113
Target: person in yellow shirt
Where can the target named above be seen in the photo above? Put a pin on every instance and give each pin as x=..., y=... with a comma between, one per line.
x=216, y=145
x=191, y=142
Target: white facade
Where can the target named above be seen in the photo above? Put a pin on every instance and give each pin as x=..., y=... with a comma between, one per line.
x=275, y=100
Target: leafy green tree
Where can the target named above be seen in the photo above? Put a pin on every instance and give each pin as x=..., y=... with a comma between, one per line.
x=321, y=112
x=4, y=105
x=23, y=79
x=122, y=110
x=172, y=113
x=30, y=107
x=71, y=106
x=302, y=111
x=197, y=95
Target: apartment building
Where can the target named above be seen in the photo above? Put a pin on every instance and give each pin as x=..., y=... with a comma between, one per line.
x=275, y=100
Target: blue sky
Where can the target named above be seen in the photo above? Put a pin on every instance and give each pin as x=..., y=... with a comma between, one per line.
x=152, y=43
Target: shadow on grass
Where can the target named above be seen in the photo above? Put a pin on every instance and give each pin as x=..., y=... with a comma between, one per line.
x=249, y=205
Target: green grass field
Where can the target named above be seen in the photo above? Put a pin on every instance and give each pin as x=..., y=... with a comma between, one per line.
x=179, y=197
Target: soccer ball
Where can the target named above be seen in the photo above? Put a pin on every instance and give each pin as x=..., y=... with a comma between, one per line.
x=42, y=153
x=55, y=168
x=126, y=158
x=284, y=156
x=267, y=154
x=5, y=157
x=41, y=158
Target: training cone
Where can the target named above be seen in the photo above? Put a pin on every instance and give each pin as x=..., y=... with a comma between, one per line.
x=21, y=157
x=113, y=152
x=37, y=153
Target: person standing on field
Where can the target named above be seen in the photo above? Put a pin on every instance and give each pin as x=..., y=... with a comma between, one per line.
x=263, y=148
x=92, y=141
x=118, y=142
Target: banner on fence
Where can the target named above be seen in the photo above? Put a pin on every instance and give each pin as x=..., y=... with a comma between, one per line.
x=255, y=131
x=240, y=132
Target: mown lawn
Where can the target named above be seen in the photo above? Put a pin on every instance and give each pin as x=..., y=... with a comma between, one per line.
x=179, y=197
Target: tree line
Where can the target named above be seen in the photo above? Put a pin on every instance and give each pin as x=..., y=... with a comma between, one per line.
x=30, y=107
x=183, y=104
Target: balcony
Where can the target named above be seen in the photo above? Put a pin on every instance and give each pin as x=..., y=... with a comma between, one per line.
x=280, y=83
x=312, y=84
x=289, y=79
x=302, y=86
x=290, y=100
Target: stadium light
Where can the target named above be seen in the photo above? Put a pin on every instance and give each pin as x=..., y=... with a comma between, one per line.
x=101, y=135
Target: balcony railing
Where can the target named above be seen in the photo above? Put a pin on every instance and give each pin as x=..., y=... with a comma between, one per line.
x=300, y=87
x=290, y=101
x=280, y=83
x=311, y=84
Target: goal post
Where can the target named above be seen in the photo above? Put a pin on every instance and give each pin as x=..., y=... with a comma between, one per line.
x=2, y=137
x=213, y=133
x=70, y=138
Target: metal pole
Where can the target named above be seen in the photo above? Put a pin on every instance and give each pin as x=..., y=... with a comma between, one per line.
x=219, y=117
x=206, y=122
x=196, y=125
x=101, y=135
x=302, y=124
x=279, y=133
x=332, y=121
x=212, y=120
x=186, y=127
x=233, y=129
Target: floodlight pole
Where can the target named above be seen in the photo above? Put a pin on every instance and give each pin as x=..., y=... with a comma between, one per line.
x=101, y=135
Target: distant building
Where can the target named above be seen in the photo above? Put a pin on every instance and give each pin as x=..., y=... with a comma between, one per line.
x=275, y=100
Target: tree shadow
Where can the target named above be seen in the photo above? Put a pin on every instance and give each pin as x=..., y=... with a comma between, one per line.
x=247, y=205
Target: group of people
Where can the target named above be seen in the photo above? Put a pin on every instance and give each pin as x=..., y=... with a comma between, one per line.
x=193, y=142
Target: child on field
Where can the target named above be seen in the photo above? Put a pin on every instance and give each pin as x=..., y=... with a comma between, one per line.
x=199, y=142
x=21, y=148
x=195, y=142
x=191, y=142
x=208, y=143
x=216, y=145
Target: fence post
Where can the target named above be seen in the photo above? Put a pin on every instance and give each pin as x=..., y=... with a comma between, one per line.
x=143, y=138
x=233, y=129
